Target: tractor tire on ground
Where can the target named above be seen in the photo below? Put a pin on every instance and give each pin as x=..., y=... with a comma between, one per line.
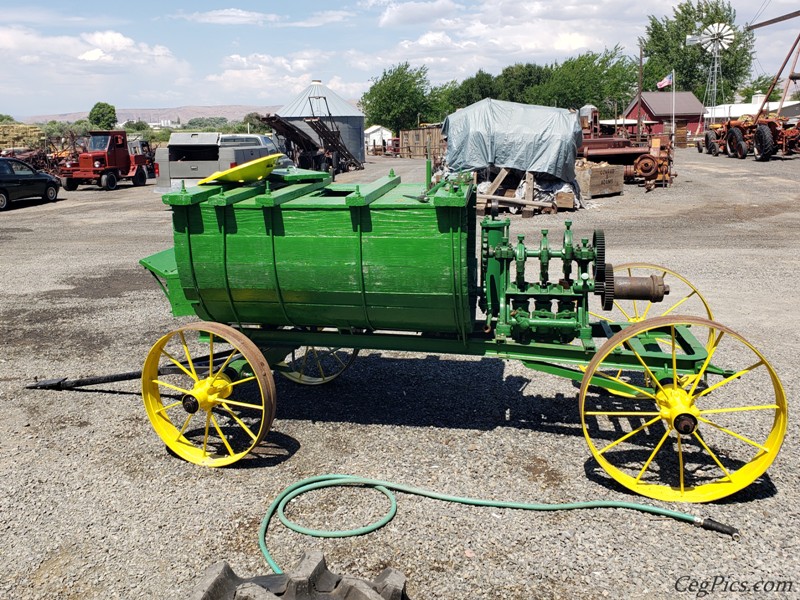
x=734, y=140
x=699, y=145
x=710, y=139
x=764, y=145
x=714, y=149
x=70, y=185
x=310, y=580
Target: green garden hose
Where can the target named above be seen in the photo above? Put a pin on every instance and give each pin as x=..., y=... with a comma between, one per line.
x=387, y=487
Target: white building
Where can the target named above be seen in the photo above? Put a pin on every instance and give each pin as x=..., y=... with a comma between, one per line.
x=374, y=137
x=791, y=109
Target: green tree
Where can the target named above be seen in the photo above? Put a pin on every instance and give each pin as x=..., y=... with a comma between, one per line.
x=761, y=84
x=398, y=98
x=206, y=123
x=5, y=119
x=256, y=125
x=474, y=89
x=137, y=126
x=603, y=80
x=440, y=102
x=665, y=48
x=103, y=116
x=515, y=81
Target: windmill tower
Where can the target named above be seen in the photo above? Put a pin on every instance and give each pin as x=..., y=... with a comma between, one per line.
x=714, y=38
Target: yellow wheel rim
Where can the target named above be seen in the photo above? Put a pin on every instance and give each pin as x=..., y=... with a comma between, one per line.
x=209, y=393
x=682, y=438
x=684, y=298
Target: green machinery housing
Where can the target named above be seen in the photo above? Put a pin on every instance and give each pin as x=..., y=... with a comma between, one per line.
x=295, y=273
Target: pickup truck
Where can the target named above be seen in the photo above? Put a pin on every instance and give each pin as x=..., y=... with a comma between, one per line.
x=190, y=157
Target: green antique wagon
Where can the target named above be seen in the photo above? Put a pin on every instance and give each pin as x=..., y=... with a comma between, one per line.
x=295, y=274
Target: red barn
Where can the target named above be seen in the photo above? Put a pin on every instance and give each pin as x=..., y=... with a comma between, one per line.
x=657, y=106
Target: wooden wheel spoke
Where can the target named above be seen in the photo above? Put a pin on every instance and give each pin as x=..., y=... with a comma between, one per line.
x=185, y=425
x=239, y=422
x=711, y=454
x=172, y=387
x=716, y=411
x=221, y=435
x=622, y=382
x=678, y=303
x=706, y=362
x=727, y=380
x=224, y=365
x=738, y=436
x=653, y=454
x=618, y=413
x=629, y=434
x=188, y=354
x=240, y=381
x=178, y=364
x=680, y=465
x=229, y=402
x=164, y=409
x=205, y=434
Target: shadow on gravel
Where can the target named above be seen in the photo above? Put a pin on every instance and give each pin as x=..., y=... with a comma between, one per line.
x=760, y=489
x=431, y=392
x=274, y=449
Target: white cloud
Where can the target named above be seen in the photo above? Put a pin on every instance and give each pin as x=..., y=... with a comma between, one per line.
x=414, y=13
x=320, y=19
x=230, y=16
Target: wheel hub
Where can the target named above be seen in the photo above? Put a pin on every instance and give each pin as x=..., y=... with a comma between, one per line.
x=207, y=393
x=677, y=408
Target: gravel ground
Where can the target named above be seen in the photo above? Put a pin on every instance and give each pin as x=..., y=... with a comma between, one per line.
x=92, y=506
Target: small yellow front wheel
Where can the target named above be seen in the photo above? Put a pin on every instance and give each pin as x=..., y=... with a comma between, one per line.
x=209, y=393
x=316, y=365
x=696, y=423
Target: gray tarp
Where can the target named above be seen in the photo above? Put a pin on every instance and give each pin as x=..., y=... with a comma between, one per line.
x=513, y=135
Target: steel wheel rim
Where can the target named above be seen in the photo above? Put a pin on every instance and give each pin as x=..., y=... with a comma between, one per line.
x=210, y=412
x=717, y=458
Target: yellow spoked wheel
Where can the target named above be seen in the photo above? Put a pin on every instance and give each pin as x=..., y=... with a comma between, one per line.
x=209, y=393
x=698, y=423
x=684, y=298
x=315, y=365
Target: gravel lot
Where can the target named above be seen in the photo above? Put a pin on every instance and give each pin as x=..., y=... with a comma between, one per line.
x=92, y=506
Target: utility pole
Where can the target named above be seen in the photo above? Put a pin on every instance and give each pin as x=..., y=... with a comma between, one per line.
x=639, y=98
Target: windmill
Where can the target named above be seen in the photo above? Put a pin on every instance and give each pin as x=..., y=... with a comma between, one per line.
x=714, y=38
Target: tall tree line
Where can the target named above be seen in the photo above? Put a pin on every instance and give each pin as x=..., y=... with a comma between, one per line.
x=402, y=97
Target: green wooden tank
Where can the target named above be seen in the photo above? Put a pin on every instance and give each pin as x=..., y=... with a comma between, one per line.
x=299, y=250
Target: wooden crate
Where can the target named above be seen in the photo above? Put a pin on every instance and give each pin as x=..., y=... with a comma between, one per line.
x=600, y=181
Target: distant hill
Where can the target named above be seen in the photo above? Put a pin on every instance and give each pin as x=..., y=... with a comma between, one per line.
x=232, y=112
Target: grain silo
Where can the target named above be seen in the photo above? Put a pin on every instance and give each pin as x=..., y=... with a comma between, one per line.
x=318, y=110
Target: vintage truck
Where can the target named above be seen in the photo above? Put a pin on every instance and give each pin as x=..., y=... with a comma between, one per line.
x=191, y=156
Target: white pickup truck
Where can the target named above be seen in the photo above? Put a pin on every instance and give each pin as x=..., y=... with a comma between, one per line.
x=192, y=156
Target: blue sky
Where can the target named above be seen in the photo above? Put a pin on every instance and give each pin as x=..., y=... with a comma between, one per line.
x=58, y=58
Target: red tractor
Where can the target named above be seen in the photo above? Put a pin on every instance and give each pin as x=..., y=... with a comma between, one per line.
x=107, y=159
x=765, y=137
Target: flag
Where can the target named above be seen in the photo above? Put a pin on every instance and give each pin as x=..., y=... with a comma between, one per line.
x=665, y=82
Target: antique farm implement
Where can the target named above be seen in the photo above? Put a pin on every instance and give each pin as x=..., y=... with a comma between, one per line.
x=295, y=274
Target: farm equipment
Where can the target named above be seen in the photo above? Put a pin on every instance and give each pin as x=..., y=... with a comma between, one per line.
x=107, y=159
x=296, y=274
x=764, y=137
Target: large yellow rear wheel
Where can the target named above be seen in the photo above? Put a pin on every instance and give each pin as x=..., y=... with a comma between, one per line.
x=209, y=393
x=678, y=436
